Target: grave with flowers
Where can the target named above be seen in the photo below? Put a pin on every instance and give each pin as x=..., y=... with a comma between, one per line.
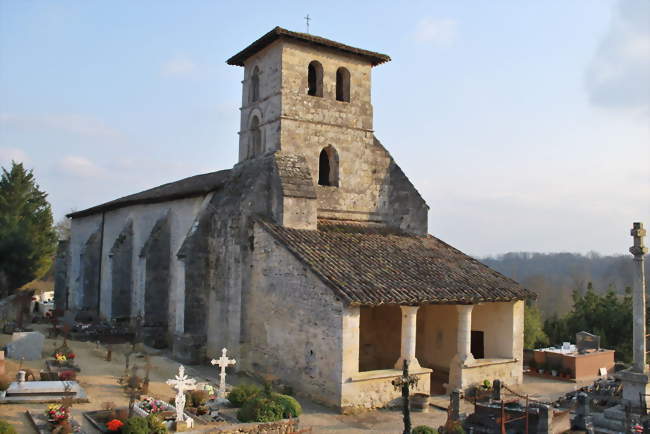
x=56, y=418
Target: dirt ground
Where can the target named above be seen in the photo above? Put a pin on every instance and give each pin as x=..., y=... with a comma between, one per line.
x=99, y=379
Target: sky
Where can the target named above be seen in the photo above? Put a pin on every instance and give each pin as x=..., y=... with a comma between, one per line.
x=525, y=125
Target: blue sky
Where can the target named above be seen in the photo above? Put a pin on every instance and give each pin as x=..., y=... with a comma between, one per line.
x=524, y=124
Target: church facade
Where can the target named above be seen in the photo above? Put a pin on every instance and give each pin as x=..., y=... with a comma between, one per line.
x=310, y=259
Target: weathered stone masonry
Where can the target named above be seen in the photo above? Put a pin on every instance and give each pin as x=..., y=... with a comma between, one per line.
x=309, y=259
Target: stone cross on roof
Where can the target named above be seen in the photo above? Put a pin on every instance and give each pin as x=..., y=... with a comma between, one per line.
x=181, y=383
x=223, y=362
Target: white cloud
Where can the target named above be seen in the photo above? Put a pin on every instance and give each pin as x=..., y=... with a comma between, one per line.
x=437, y=32
x=7, y=155
x=71, y=123
x=178, y=67
x=79, y=166
x=618, y=74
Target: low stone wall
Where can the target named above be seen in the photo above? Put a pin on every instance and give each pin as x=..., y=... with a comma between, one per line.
x=285, y=426
x=508, y=371
x=373, y=389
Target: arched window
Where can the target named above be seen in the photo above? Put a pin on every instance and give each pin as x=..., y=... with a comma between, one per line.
x=255, y=143
x=255, y=85
x=328, y=167
x=315, y=79
x=343, y=85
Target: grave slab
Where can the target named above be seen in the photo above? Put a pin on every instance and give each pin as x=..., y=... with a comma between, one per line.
x=43, y=392
x=26, y=346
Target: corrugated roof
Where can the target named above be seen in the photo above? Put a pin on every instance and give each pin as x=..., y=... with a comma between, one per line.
x=193, y=186
x=278, y=33
x=373, y=266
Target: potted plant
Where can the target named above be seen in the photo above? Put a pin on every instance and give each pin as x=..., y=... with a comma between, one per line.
x=5, y=382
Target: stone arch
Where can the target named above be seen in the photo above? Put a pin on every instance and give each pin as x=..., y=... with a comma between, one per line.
x=254, y=135
x=315, y=78
x=343, y=85
x=255, y=85
x=328, y=167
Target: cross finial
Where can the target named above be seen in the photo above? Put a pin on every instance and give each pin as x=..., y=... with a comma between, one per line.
x=307, y=19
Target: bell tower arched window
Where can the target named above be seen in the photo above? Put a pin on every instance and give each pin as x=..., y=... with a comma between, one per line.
x=255, y=85
x=315, y=79
x=255, y=143
x=328, y=167
x=343, y=85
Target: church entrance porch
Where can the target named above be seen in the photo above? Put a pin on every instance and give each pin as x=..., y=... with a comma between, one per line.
x=439, y=341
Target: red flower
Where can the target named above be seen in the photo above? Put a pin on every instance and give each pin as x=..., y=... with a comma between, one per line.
x=71, y=356
x=114, y=425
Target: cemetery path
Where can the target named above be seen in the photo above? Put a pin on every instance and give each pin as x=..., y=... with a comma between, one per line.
x=99, y=378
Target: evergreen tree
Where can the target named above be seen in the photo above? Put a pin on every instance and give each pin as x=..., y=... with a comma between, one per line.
x=27, y=238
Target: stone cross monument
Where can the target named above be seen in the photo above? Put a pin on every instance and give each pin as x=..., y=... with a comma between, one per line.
x=635, y=379
x=223, y=362
x=181, y=383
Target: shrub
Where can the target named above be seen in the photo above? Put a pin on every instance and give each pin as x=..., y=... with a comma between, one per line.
x=242, y=393
x=6, y=428
x=5, y=382
x=156, y=424
x=136, y=425
x=199, y=397
x=423, y=429
x=260, y=409
x=290, y=407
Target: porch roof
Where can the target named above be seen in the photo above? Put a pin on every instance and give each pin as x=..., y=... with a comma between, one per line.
x=374, y=266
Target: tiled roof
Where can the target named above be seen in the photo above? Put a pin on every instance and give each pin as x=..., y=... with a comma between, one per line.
x=368, y=266
x=188, y=187
x=278, y=32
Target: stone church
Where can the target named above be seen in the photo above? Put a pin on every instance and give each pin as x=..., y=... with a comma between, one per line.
x=310, y=259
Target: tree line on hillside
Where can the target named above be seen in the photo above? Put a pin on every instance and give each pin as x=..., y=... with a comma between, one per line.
x=27, y=235
x=555, y=276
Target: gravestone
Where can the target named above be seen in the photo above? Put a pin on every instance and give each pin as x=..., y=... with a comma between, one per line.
x=586, y=341
x=26, y=345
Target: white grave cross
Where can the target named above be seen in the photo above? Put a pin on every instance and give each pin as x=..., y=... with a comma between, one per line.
x=223, y=362
x=181, y=384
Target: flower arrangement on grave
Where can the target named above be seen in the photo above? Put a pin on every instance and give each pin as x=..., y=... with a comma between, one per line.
x=114, y=425
x=57, y=413
x=152, y=405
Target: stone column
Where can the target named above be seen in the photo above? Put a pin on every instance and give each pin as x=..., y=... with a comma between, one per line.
x=639, y=306
x=464, y=342
x=409, y=328
x=636, y=383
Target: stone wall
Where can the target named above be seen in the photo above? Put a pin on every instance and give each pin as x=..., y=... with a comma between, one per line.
x=380, y=337
x=121, y=270
x=61, y=267
x=294, y=322
x=436, y=336
x=285, y=426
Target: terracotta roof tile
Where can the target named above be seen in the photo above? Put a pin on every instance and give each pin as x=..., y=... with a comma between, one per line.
x=278, y=33
x=373, y=266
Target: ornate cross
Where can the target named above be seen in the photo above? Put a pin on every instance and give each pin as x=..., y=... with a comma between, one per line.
x=307, y=19
x=181, y=384
x=223, y=362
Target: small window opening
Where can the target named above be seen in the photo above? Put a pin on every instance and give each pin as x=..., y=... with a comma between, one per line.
x=255, y=85
x=328, y=167
x=315, y=79
x=343, y=85
x=255, y=145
